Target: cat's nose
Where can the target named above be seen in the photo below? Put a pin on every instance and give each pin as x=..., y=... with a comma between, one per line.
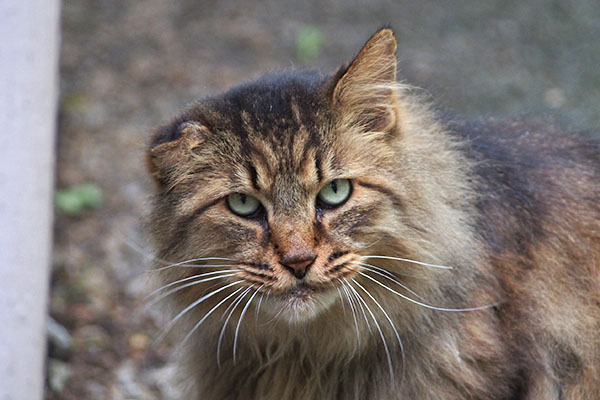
x=298, y=263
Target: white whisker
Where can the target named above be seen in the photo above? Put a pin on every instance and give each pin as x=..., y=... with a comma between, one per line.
x=381, y=335
x=237, y=328
x=237, y=301
x=393, y=274
x=260, y=300
x=178, y=288
x=371, y=244
x=232, y=304
x=142, y=252
x=410, y=261
x=362, y=309
x=206, y=316
x=148, y=296
x=391, y=323
x=373, y=270
x=168, y=327
x=187, y=264
x=274, y=317
x=351, y=303
x=139, y=249
x=342, y=302
x=427, y=305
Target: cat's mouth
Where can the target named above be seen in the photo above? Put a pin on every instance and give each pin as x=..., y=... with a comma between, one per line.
x=303, y=302
x=302, y=292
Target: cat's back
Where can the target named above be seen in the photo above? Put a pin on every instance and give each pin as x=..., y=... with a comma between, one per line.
x=534, y=170
x=538, y=206
x=534, y=183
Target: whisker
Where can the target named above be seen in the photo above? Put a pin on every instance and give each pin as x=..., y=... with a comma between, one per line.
x=205, y=317
x=167, y=328
x=410, y=261
x=427, y=305
x=187, y=264
x=391, y=324
x=274, y=317
x=351, y=303
x=178, y=288
x=381, y=308
x=363, y=311
x=355, y=317
x=237, y=301
x=169, y=264
x=381, y=335
x=142, y=252
x=371, y=244
x=341, y=300
x=237, y=328
x=260, y=303
x=393, y=274
x=361, y=307
x=233, y=303
x=138, y=248
x=189, y=278
x=374, y=270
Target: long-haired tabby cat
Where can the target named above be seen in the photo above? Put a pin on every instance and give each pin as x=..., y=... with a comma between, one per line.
x=330, y=237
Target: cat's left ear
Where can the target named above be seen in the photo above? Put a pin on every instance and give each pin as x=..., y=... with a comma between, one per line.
x=166, y=158
x=366, y=88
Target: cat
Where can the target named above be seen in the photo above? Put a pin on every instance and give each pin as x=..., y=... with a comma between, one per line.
x=333, y=237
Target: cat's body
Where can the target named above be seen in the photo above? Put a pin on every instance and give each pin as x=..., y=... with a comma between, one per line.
x=514, y=208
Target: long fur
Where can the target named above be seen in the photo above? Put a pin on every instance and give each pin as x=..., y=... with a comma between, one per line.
x=512, y=207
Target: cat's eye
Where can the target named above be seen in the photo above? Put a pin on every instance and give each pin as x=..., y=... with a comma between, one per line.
x=335, y=193
x=242, y=204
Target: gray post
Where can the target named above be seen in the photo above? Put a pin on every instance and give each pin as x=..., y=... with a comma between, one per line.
x=29, y=42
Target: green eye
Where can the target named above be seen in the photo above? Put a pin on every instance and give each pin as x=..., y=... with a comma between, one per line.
x=335, y=193
x=242, y=204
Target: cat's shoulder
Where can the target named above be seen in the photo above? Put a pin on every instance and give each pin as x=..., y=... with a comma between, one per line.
x=525, y=142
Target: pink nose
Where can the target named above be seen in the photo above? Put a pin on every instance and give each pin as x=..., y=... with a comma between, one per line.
x=298, y=264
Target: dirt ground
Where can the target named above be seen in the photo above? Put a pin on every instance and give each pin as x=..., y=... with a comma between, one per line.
x=128, y=65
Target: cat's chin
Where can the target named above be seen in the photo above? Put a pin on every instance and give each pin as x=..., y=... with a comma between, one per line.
x=301, y=304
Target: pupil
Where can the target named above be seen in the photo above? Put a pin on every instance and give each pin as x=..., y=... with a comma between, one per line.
x=334, y=187
x=243, y=198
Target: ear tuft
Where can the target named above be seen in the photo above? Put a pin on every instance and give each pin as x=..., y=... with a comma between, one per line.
x=164, y=157
x=190, y=136
x=366, y=88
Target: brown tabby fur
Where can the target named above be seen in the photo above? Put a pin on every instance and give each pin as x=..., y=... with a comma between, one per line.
x=513, y=207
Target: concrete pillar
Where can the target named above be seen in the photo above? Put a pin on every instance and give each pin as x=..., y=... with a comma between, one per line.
x=29, y=43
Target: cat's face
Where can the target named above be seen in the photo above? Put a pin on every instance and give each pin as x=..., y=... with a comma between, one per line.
x=284, y=184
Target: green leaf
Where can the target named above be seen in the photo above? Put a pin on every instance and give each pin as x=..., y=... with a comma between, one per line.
x=309, y=41
x=76, y=199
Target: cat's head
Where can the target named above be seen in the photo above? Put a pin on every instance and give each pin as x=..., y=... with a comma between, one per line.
x=286, y=183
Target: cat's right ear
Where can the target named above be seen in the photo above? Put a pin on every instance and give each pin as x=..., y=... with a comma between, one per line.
x=164, y=157
x=365, y=89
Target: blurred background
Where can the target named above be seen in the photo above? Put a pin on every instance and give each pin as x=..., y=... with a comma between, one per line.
x=128, y=65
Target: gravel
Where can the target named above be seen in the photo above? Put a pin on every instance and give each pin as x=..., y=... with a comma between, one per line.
x=127, y=66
